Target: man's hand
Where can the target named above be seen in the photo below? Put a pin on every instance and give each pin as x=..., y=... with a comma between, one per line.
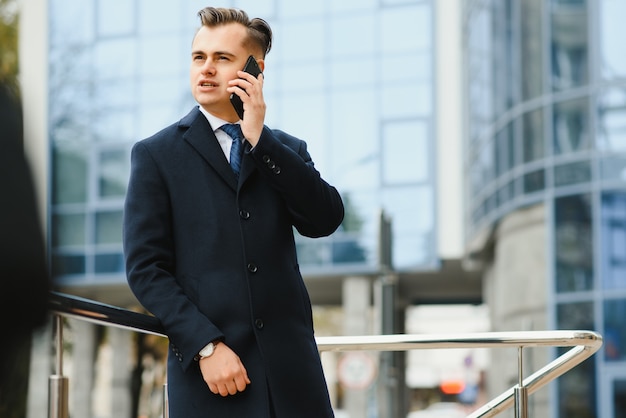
x=253, y=104
x=224, y=372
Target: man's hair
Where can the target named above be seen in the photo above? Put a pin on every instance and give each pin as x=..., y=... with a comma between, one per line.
x=259, y=31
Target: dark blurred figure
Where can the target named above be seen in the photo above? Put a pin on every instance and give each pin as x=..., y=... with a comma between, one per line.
x=23, y=267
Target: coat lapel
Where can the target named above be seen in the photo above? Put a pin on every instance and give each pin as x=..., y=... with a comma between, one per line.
x=200, y=136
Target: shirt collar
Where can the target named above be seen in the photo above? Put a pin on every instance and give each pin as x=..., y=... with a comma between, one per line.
x=214, y=121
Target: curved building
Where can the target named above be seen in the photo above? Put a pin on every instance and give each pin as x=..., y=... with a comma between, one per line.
x=545, y=166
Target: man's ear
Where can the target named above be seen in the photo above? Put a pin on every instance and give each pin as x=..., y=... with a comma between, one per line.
x=261, y=63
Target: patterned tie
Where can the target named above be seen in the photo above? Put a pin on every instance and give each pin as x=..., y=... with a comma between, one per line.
x=236, y=150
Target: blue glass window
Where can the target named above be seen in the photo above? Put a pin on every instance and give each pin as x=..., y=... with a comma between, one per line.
x=613, y=240
x=614, y=331
x=573, y=243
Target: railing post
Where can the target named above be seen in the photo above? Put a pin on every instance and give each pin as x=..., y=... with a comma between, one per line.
x=166, y=406
x=520, y=391
x=57, y=383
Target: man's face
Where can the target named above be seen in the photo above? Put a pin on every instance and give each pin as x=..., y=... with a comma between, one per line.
x=217, y=53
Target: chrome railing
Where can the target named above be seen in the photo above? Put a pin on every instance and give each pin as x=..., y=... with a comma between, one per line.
x=583, y=345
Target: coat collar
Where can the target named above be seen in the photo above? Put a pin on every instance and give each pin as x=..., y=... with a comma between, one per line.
x=199, y=134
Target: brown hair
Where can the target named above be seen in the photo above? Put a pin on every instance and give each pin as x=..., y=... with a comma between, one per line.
x=259, y=31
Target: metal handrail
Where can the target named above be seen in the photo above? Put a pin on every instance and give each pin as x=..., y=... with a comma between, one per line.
x=583, y=345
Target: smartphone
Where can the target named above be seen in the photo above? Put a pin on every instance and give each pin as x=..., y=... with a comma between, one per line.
x=251, y=67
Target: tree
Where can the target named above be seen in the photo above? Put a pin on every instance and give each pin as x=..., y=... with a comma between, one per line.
x=9, y=28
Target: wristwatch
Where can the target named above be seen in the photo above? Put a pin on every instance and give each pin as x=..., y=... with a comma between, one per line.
x=208, y=350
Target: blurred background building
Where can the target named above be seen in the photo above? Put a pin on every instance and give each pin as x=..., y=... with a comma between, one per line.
x=545, y=163
x=479, y=146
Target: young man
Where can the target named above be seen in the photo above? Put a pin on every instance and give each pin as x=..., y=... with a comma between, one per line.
x=211, y=253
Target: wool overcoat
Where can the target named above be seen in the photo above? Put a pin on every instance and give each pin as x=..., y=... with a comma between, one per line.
x=213, y=257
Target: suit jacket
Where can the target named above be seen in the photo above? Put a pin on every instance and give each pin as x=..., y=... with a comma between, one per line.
x=212, y=257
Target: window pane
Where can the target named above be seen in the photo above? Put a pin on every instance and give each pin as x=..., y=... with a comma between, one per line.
x=534, y=148
x=531, y=48
x=480, y=77
x=416, y=23
x=349, y=38
x=613, y=168
x=619, y=398
x=573, y=173
x=613, y=239
x=68, y=264
x=569, y=46
x=612, y=121
x=408, y=99
x=69, y=175
x=577, y=315
x=573, y=243
x=614, y=331
x=406, y=154
x=115, y=58
x=115, y=17
x=109, y=227
x=571, y=126
x=114, y=172
x=504, y=56
x=535, y=181
x=299, y=46
x=576, y=388
x=71, y=21
x=486, y=164
x=506, y=193
x=109, y=263
x=412, y=217
x=68, y=229
x=612, y=34
x=505, y=150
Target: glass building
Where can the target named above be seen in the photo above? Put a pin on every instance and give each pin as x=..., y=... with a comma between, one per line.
x=546, y=129
x=352, y=78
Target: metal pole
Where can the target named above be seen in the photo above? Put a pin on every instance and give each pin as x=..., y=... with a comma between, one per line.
x=520, y=391
x=166, y=406
x=57, y=383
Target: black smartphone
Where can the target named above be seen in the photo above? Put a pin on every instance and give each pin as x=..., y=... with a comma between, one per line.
x=251, y=67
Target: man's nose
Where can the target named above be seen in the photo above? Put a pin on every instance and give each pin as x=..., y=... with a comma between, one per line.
x=209, y=67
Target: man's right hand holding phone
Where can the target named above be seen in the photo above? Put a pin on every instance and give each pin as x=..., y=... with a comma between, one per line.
x=250, y=90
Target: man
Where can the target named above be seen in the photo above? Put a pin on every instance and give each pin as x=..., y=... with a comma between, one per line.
x=212, y=254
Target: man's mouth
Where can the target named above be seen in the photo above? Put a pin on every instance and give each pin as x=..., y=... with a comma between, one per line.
x=207, y=84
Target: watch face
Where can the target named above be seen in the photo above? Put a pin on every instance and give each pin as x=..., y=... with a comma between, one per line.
x=207, y=351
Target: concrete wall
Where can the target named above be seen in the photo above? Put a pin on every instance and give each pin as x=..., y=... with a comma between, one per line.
x=516, y=292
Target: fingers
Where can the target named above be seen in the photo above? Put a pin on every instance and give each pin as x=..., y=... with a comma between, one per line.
x=241, y=382
x=223, y=372
x=247, y=83
x=250, y=78
x=232, y=387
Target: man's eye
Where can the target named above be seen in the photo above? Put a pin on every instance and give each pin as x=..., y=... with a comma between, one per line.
x=197, y=57
x=223, y=58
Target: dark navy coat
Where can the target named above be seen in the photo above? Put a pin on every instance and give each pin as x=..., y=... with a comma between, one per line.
x=214, y=258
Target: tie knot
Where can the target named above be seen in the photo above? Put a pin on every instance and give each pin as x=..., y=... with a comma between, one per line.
x=233, y=130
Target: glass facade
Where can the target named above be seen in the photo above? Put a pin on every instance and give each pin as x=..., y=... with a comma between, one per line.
x=352, y=78
x=546, y=106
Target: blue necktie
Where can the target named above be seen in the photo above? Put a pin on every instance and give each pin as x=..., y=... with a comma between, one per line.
x=236, y=150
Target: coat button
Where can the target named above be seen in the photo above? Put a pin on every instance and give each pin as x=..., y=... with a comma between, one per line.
x=244, y=214
x=266, y=159
x=258, y=323
x=252, y=268
x=276, y=170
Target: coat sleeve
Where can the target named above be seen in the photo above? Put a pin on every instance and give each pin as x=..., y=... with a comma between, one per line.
x=315, y=206
x=150, y=260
